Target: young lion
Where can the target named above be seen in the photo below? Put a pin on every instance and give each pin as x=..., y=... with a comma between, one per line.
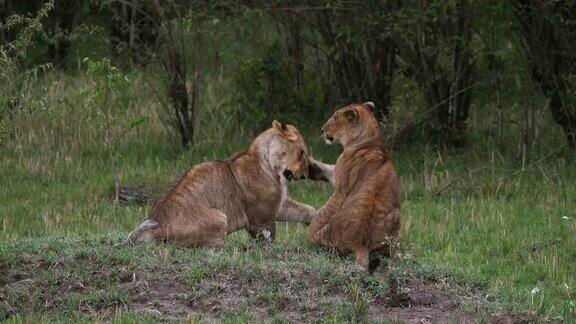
x=363, y=214
x=248, y=190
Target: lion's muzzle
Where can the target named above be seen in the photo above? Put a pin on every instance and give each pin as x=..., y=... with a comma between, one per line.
x=288, y=175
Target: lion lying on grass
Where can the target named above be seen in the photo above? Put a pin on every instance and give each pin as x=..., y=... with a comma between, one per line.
x=248, y=190
x=363, y=214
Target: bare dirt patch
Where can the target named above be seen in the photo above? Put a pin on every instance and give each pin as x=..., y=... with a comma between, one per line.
x=98, y=280
x=229, y=291
x=418, y=300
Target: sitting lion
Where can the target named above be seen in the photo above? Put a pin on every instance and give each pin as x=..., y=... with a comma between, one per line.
x=248, y=190
x=363, y=214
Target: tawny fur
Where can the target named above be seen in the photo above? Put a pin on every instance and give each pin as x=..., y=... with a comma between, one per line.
x=363, y=214
x=246, y=191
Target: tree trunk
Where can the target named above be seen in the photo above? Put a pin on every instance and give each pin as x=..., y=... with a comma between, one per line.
x=290, y=30
x=448, y=91
x=6, y=10
x=363, y=64
x=175, y=67
x=182, y=91
x=549, y=58
x=460, y=95
x=565, y=118
x=61, y=26
x=134, y=28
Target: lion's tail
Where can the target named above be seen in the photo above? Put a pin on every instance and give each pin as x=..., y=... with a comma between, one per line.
x=145, y=232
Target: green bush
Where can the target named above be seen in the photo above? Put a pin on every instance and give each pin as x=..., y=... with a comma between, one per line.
x=264, y=90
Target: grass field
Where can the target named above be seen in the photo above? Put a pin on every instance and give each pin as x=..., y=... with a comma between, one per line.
x=482, y=237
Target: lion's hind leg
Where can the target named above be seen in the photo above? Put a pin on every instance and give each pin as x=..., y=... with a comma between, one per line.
x=392, y=230
x=386, y=249
x=202, y=227
x=363, y=258
x=368, y=260
x=319, y=230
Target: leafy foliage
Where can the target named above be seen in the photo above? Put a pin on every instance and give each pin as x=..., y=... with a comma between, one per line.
x=13, y=55
x=266, y=90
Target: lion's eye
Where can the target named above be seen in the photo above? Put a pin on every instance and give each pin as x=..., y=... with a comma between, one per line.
x=284, y=153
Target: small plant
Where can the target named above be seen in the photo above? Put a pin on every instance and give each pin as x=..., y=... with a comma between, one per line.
x=195, y=275
x=108, y=84
x=359, y=305
x=12, y=56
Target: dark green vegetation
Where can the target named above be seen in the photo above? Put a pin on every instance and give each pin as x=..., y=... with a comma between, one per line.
x=476, y=99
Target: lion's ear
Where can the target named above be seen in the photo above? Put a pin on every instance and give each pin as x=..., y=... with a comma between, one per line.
x=370, y=105
x=278, y=126
x=351, y=115
x=283, y=131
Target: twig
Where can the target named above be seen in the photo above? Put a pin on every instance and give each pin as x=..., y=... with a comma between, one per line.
x=501, y=180
x=453, y=181
x=296, y=9
x=532, y=164
x=11, y=309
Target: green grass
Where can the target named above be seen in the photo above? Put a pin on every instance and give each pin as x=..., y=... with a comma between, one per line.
x=471, y=217
x=77, y=278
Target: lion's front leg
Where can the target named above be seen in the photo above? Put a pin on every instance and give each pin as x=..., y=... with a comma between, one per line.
x=293, y=211
x=321, y=171
x=319, y=229
x=263, y=232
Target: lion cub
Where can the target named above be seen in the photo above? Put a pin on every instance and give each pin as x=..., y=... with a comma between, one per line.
x=248, y=190
x=363, y=214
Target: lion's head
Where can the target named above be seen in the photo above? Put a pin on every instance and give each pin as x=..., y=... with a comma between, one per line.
x=288, y=152
x=350, y=124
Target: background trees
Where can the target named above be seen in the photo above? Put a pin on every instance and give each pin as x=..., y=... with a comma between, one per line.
x=360, y=51
x=428, y=65
x=436, y=51
x=547, y=31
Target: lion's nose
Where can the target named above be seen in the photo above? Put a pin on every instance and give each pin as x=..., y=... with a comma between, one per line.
x=322, y=130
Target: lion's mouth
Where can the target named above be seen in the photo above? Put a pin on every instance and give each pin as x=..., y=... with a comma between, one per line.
x=329, y=139
x=288, y=175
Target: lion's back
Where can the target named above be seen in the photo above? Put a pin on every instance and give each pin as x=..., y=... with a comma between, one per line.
x=207, y=183
x=370, y=213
